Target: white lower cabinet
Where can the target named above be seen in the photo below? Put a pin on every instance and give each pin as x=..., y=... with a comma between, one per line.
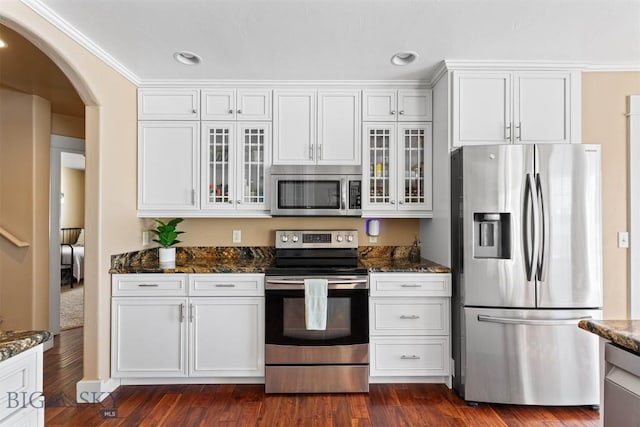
x=21, y=392
x=210, y=332
x=227, y=337
x=409, y=324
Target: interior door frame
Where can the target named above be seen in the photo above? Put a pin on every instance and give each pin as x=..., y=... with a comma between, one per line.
x=633, y=108
x=59, y=144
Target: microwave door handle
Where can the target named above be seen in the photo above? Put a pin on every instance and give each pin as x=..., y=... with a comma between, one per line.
x=343, y=194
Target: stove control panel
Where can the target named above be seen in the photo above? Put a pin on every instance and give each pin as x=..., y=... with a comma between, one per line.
x=309, y=239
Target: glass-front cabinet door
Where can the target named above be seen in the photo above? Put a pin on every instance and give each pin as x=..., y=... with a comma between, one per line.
x=379, y=186
x=235, y=160
x=218, y=164
x=254, y=140
x=414, y=167
x=397, y=170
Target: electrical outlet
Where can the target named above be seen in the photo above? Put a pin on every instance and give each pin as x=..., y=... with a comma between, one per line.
x=145, y=238
x=623, y=239
x=373, y=239
x=237, y=236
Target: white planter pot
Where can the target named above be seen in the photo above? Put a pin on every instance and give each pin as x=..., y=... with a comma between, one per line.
x=167, y=257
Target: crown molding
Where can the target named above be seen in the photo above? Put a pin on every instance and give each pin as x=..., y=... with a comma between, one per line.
x=203, y=83
x=454, y=64
x=612, y=67
x=55, y=20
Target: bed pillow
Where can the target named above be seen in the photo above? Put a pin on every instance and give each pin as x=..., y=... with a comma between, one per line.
x=80, y=241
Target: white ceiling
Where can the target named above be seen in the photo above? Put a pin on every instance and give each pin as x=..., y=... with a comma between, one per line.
x=344, y=39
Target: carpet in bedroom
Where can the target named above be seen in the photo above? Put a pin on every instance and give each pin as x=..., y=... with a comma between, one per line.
x=71, y=306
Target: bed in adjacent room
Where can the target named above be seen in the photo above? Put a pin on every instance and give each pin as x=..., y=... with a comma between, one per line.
x=71, y=255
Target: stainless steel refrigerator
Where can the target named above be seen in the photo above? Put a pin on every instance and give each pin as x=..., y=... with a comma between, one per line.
x=527, y=266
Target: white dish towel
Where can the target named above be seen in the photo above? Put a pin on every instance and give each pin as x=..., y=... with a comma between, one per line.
x=315, y=303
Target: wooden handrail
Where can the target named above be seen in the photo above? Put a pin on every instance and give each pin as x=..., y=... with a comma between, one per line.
x=13, y=239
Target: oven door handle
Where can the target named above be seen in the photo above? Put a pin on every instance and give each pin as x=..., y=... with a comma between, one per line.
x=284, y=284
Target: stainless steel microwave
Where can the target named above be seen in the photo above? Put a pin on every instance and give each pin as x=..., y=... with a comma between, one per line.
x=316, y=190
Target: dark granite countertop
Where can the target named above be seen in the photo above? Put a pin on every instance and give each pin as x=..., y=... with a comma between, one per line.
x=624, y=333
x=15, y=342
x=259, y=259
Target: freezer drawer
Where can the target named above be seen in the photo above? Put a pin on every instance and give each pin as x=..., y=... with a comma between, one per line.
x=536, y=357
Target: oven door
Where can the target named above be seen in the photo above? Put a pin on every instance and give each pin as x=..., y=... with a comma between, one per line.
x=347, y=318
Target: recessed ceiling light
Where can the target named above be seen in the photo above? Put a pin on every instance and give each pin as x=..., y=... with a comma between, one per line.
x=403, y=58
x=187, y=58
x=2, y=44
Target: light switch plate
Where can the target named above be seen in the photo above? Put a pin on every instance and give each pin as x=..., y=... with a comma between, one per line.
x=237, y=236
x=623, y=239
x=145, y=238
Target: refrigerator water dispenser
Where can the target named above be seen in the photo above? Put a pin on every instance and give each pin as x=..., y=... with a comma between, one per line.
x=492, y=235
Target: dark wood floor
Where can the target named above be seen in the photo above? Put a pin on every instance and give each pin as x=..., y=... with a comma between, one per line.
x=247, y=405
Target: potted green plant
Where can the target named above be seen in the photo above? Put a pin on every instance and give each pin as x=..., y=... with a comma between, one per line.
x=167, y=236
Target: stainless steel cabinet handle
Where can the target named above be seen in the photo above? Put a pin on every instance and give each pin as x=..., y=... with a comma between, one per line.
x=507, y=136
x=410, y=285
x=519, y=129
x=225, y=285
x=409, y=317
x=320, y=151
x=181, y=313
x=190, y=313
x=148, y=285
x=311, y=151
x=193, y=197
x=412, y=357
x=534, y=322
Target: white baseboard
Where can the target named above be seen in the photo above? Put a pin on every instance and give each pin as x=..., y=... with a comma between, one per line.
x=95, y=391
x=48, y=345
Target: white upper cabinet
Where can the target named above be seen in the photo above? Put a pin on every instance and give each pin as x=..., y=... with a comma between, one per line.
x=498, y=107
x=168, y=104
x=240, y=104
x=389, y=105
x=234, y=168
x=168, y=172
x=316, y=127
x=397, y=177
x=338, y=127
x=294, y=127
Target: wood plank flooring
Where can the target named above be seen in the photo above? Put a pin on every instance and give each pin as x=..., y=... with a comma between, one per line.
x=385, y=405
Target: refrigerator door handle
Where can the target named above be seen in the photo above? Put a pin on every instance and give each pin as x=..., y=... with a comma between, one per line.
x=543, y=250
x=529, y=230
x=531, y=322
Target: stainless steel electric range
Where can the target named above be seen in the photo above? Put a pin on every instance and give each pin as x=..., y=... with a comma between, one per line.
x=336, y=359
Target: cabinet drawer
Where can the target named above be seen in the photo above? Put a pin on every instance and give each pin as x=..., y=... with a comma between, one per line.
x=410, y=284
x=409, y=356
x=149, y=284
x=234, y=284
x=409, y=316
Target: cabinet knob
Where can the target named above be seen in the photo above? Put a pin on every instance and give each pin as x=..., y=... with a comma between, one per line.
x=230, y=111
x=401, y=112
x=238, y=201
x=194, y=111
x=393, y=202
x=239, y=111
x=401, y=202
x=393, y=112
x=230, y=201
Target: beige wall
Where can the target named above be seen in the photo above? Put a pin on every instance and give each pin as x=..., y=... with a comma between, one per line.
x=24, y=209
x=604, y=105
x=67, y=125
x=72, y=186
